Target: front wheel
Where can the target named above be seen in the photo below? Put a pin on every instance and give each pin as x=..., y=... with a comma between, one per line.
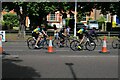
x=98, y=41
x=90, y=45
x=115, y=43
x=56, y=43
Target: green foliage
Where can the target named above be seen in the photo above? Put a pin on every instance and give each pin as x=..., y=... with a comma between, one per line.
x=49, y=27
x=101, y=19
x=90, y=19
x=10, y=20
x=79, y=16
x=41, y=9
x=67, y=21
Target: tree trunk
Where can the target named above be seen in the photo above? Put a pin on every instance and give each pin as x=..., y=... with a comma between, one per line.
x=21, y=33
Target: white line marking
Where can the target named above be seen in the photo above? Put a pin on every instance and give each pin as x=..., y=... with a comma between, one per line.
x=78, y=56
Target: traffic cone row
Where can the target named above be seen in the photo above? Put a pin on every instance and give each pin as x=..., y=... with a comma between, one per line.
x=104, y=47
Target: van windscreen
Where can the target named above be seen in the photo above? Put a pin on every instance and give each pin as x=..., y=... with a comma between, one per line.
x=93, y=22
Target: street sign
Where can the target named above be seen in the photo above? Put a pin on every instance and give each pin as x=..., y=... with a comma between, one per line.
x=3, y=35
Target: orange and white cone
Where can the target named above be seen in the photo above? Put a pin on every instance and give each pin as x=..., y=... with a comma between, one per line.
x=1, y=49
x=104, y=48
x=50, y=47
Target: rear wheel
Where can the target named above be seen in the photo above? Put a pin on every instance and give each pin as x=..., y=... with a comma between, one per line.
x=74, y=45
x=31, y=43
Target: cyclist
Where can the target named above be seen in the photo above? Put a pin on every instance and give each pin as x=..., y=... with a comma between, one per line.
x=81, y=34
x=38, y=34
x=55, y=31
x=35, y=32
x=92, y=32
x=62, y=34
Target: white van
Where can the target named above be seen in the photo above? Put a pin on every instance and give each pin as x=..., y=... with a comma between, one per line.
x=92, y=23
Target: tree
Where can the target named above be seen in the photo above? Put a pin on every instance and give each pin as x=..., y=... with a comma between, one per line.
x=11, y=20
x=37, y=11
x=101, y=22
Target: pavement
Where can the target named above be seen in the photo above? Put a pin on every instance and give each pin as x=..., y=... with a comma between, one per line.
x=24, y=63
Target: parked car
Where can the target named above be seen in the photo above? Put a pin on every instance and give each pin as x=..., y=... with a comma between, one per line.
x=92, y=23
x=80, y=25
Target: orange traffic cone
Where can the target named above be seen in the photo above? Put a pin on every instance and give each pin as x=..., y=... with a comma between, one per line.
x=50, y=47
x=1, y=49
x=104, y=48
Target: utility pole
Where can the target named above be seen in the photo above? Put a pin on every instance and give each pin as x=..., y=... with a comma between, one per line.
x=75, y=18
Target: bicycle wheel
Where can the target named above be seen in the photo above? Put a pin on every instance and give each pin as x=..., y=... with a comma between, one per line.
x=115, y=43
x=90, y=45
x=31, y=43
x=56, y=43
x=67, y=42
x=98, y=41
x=29, y=38
x=74, y=45
x=45, y=44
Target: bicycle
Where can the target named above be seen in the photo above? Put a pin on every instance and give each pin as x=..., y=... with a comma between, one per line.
x=116, y=43
x=88, y=45
x=57, y=41
x=43, y=43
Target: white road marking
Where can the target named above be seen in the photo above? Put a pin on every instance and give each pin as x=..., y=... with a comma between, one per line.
x=78, y=56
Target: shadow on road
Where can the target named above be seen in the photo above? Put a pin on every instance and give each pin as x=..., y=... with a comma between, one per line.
x=71, y=69
x=10, y=70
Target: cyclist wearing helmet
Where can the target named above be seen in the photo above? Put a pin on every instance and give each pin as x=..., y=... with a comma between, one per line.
x=81, y=34
x=38, y=34
x=35, y=32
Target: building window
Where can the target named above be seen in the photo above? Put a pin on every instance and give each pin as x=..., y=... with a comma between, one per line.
x=52, y=17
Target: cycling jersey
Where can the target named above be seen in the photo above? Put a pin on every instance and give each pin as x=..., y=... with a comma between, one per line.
x=37, y=30
x=93, y=33
x=81, y=31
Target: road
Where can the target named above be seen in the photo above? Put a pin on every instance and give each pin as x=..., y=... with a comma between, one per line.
x=63, y=63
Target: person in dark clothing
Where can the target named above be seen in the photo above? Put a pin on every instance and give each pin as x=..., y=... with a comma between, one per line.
x=93, y=33
x=62, y=34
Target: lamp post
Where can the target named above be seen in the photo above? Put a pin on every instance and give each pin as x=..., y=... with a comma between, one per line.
x=75, y=18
